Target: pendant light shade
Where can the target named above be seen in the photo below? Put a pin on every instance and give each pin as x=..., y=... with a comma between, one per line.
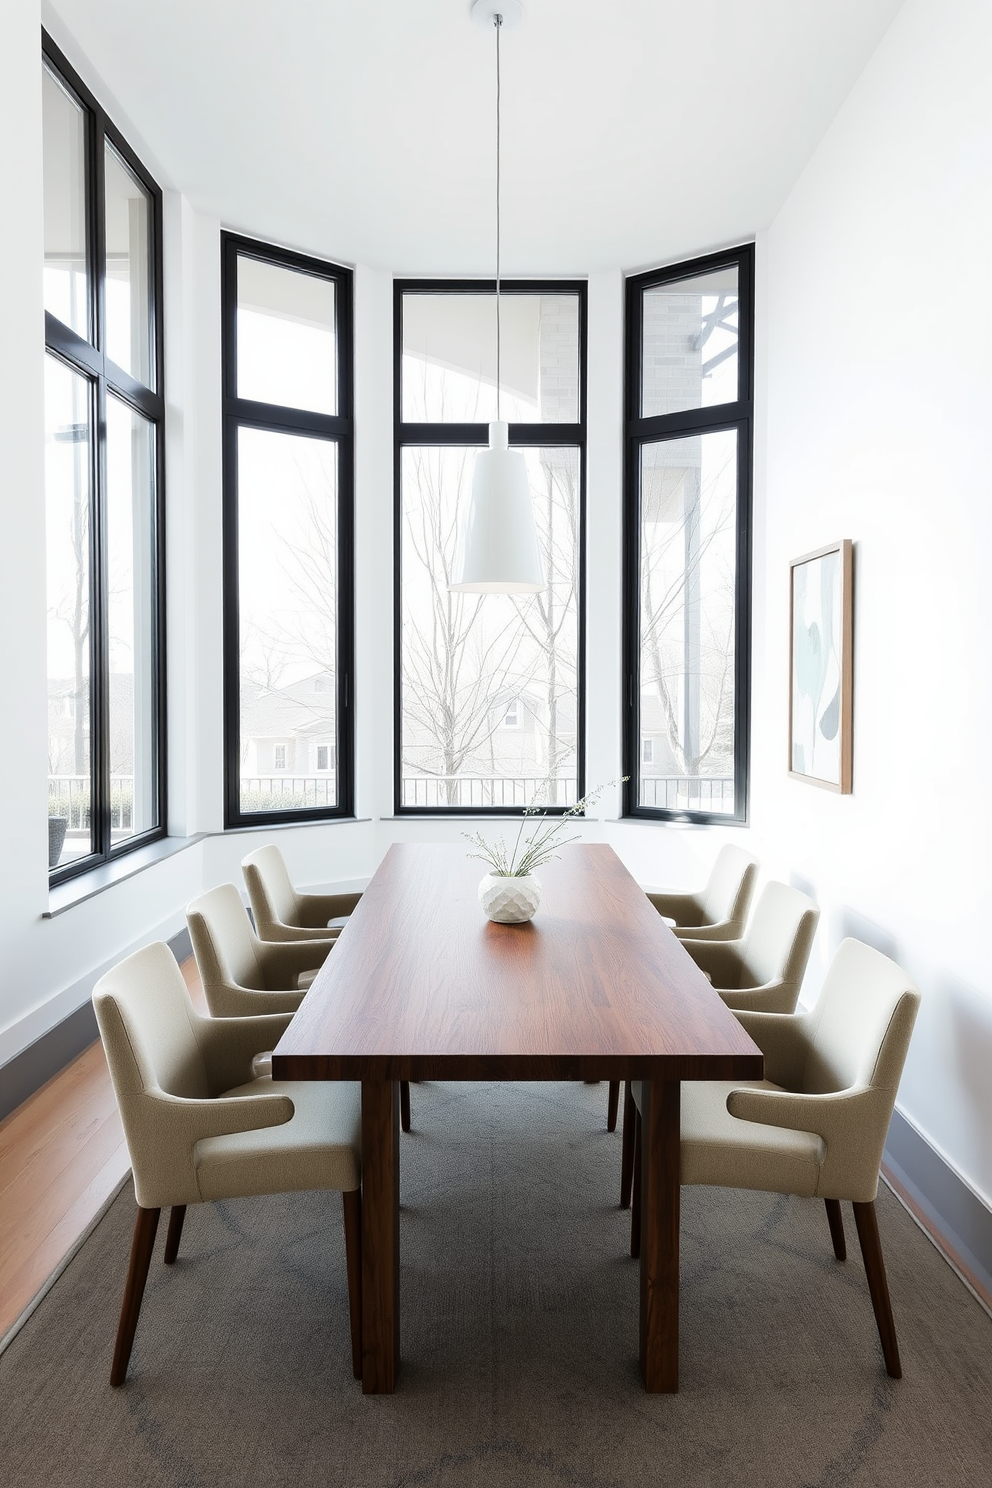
x=499, y=553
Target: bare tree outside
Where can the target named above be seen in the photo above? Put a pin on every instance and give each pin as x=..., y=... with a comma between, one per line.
x=488, y=682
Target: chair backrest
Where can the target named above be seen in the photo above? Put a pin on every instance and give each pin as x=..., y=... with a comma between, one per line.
x=858, y=1033
x=146, y=1023
x=778, y=940
x=224, y=944
x=727, y=896
x=273, y=898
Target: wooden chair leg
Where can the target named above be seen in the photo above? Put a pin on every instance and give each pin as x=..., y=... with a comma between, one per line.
x=145, y=1226
x=627, y=1150
x=353, y=1261
x=635, y=1198
x=405, y=1105
x=835, y=1220
x=174, y=1233
x=613, y=1105
x=871, y=1249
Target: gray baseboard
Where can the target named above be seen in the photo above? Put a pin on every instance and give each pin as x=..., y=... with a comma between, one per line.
x=950, y=1208
x=34, y=1066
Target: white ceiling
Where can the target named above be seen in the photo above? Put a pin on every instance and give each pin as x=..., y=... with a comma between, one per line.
x=634, y=131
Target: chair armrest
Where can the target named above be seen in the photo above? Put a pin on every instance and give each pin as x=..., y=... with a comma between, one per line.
x=277, y=933
x=782, y=1040
x=231, y=1000
x=229, y=1045
x=220, y=1116
x=828, y=1116
x=163, y=1130
x=776, y=997
x=316, y=909
x=718, y=958
x=719, y=930
x=282, y=961
x=682, y=908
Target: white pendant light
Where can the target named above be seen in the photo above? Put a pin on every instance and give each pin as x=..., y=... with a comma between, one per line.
x=499, y=548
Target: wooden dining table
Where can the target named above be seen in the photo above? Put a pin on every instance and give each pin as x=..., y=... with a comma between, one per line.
x=421, y=986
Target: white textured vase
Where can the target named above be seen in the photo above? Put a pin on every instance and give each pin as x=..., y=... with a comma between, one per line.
x=510, y=901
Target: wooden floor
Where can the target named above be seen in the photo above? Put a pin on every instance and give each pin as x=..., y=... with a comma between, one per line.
x=62, y=1155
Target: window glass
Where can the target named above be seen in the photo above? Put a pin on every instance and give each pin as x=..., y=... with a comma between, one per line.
x=287, y=588
x=489, y=682
x=131, y=620
x=689, y=343
x=68, y=519
x=286, y=334
x=449, y=358
x=128, y=279
x=688, y=587
x=66, y=261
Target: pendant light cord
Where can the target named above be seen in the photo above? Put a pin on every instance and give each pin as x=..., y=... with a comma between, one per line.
x=498, y=23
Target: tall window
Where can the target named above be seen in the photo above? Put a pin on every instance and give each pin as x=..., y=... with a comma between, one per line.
x=103, y=482
x=288, y=502
x=489, y=687
x=687, y=538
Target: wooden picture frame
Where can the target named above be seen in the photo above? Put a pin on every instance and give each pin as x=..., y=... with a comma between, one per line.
x=821, y=667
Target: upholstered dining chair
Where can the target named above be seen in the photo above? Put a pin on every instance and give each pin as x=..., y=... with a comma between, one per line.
x=281, y=912
x=763, y=972
x=198, y=1126
x=717, y=911
x=242, y=974
x=816, y=1125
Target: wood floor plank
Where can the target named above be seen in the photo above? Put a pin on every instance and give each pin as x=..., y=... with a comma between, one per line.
x=26, y=1280
x=62, y=1154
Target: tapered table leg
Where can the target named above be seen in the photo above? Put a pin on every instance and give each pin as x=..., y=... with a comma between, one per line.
x=659, y=1159
x=380, y=1236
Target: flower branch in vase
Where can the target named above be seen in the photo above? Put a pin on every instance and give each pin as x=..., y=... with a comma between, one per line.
x=511, y=892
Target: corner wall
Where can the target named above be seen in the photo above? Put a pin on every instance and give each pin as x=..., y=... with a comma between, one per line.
x=877, y=334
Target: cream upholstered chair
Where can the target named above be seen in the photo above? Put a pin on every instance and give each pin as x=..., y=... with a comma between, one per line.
x=281, y=912
x=198, y=1127
x=761, y=972
x=242, y=974
x=816, y=1125
x=718, y=911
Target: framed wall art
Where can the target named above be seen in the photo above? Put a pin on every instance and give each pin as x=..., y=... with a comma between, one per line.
x=821, y=662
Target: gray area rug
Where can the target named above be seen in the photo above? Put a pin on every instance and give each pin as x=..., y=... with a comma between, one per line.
x=519, y=1337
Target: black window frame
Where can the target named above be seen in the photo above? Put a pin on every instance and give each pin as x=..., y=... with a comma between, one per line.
x=88, y=359
x=521, y=435
x=638, y=431
x=339, y=428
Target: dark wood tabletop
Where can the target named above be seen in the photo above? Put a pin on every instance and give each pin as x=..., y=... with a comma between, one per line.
x=422, y=986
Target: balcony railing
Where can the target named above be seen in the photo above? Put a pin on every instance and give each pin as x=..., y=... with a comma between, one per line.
x=288, y=792
x=69, y=796
x=472, y=791
x=688, y=792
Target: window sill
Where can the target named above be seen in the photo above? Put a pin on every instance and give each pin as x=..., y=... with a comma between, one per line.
x=290, y=826
x=77, y=890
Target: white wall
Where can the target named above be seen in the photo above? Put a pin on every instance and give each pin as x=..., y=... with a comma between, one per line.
x=877, y=358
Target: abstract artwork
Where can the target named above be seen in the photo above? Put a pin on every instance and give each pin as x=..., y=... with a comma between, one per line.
x=821, y=662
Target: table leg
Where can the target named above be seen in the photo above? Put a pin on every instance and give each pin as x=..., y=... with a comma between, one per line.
x=659, y=1157
x=380, y=1236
